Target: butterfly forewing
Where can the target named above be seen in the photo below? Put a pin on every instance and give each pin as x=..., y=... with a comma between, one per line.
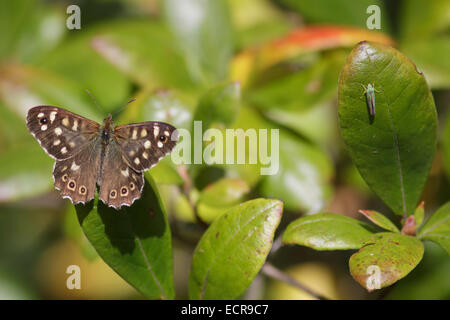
x=60, y=132
x=144, y=144
x=88, y=154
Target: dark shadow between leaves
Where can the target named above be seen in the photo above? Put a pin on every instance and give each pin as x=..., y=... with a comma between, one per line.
x=129, y=225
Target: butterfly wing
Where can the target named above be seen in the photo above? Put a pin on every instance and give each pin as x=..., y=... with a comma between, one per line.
x=144, y=144
x=61, y=133
x=76, y=177
x=119, y=183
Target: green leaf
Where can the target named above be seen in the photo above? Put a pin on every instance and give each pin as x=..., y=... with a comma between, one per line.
x=29, y=29
x=134, y=241
x=301, y=90
x=220, y=196
x=327, y=231
x=386, y=258
x=342, y=12
x=433, y=16
x=437, y=228
x=394, y=149
x=302, y=179
x=203, y=32
x=130, y=47
x=75, y=233
x=219, y=105
x=233, y=249
x=165, y=172
x=419, y=214
x=77, y=59
x=445, y=143
x=23, y=87
x=380, y=220
x=20, y=177
x=168, y=106
x=431, y=57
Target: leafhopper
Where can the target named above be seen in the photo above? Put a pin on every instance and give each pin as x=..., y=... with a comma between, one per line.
x=369, y=91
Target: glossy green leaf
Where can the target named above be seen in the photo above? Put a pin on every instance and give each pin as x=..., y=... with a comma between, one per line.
x=342, y=12
x=380, y=220
x=233, y=249
x=327, y=231
x=203, y=32
x=386, y=258
x=219, y=197
x=219, y=106
x=437, y=227
x=302, y=177
x=394, y=149
x=134, y=241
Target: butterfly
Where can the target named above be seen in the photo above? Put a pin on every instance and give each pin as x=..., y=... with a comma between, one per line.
x=88, y=154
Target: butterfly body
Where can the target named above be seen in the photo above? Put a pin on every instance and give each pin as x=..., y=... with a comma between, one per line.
x=88, y=154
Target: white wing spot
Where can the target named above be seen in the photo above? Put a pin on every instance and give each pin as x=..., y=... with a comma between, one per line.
x=58, y=131
x=147, y=144
x=40, y=115
x=52, y=116
x=145, y=155
x=56, y=142
x=156, y=131
x=44, y=127
x=125, y=172
x=166, y=133
x=143, y=133
x=132, y=153
x=134, y=136
x=75, y=125
x=160, y=144
x=63, y=150
x=71, y=144
x=65, y=122
x=137, y=161
x=74, y=166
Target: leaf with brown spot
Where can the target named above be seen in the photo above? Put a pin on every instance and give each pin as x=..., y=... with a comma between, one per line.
x=386, y=258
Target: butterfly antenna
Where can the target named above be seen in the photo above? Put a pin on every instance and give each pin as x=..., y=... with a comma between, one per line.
x=120, y=110
x=95, y=102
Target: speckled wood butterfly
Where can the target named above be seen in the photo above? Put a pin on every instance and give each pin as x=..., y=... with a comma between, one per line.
x=88, y=153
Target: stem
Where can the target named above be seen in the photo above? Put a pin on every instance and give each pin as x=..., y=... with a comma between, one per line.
x=186, y=190
x=271, y=271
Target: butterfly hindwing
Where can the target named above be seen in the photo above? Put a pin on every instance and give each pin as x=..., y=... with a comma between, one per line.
x=77, y=176
x=119, y=183
x=144, y=144
x=61, y=133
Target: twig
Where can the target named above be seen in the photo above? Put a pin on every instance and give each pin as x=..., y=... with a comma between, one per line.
x=270, y=271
